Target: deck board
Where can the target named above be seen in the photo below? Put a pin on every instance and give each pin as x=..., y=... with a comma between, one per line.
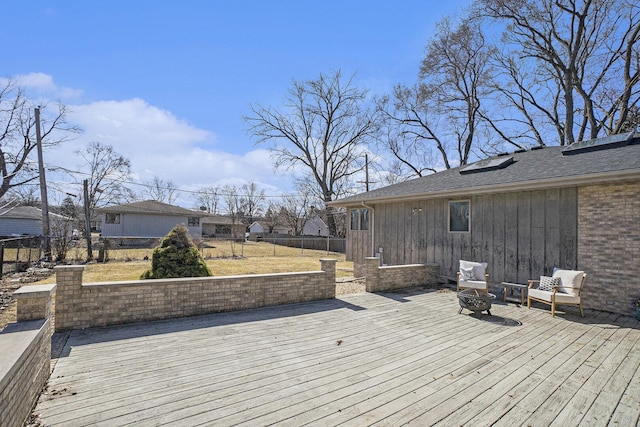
x=383, y=359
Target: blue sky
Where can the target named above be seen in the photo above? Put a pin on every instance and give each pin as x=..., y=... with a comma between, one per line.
x=167, y=83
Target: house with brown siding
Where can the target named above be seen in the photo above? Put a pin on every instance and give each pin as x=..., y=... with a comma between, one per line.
x=523, y=213
x=222, y=227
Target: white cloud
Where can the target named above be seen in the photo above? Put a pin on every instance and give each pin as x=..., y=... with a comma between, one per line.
x=43, y=84
x=159, y=144
x=136, y=128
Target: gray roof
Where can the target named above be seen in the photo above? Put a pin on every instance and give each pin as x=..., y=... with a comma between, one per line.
x=151, y=207
x=26, y=212
x=208, y=218
x=532, y=169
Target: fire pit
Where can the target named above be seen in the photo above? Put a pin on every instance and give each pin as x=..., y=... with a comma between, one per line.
x=475, y=300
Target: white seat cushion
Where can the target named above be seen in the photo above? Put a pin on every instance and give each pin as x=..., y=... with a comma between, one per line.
x=561, y=298
x=571, y=280
x=473, y=284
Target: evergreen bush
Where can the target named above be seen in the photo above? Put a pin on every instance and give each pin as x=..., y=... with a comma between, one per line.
x=177, y=256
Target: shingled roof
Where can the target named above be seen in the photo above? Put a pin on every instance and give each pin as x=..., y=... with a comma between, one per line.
x=151, y=207
x=537, y=168
x=26, y=212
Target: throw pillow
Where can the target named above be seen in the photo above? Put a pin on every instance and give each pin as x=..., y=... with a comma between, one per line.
x=547, y=283
x=479, y=268
x=466, y=273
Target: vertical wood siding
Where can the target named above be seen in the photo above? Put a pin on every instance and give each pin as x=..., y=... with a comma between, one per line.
x=521, y=235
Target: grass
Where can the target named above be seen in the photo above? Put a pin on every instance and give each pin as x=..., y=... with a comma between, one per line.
x=224, y=258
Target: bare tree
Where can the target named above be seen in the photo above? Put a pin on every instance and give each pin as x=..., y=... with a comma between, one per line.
x=295, y=210
x=25, y=195
x=436, y=123
x=251, y=200
x=160, y=190
x=272, y=216
x=62, y=236
x=322, y=127
x=411, y=132
x=455, y=73
x=233, y=201
x=18, y=135
x=108, y=174
x=572, y=63
x=209, y=198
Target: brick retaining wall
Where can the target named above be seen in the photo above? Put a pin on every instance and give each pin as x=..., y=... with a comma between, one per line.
x=25, y=354
x=89, y=305
x=391, y=277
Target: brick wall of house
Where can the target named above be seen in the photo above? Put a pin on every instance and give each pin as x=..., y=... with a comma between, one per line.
x=387, y=278
x=609, y=245
x=89, y=305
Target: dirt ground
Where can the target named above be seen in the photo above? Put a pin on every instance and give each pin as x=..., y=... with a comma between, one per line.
x=11, y=282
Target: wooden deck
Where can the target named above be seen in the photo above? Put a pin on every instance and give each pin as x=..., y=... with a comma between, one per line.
x=383, y=359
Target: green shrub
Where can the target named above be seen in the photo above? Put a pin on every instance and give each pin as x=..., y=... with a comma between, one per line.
x=177, y=256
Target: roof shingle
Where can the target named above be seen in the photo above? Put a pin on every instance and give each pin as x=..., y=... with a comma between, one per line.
x=532, y=169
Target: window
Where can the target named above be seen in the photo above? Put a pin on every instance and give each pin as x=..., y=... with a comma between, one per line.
x=360, y=219
x=355, y=219
x=193, y=221
x=364, y=219
x=459, y=216
x=112, y=218
x=223, y=229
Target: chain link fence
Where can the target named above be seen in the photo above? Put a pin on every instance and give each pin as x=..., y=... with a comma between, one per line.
x=17, y=254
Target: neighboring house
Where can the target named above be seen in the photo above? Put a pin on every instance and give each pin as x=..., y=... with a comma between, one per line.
x=257, y=227
x=315, y=226
x=261, y=227
x=26, y=221
x=221, y=227
x=524, y=213
x=149, y=218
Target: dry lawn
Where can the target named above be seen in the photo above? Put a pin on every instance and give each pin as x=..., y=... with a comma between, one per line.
x=224, y=258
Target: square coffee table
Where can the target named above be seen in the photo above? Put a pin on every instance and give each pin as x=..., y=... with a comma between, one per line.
x=508, y=292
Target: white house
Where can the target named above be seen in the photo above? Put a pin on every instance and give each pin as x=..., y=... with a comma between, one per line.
x=315, y=226
x=24, y=221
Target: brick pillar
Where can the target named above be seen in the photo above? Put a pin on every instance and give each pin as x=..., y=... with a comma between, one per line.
x=68, y=294
x=372, y=273
x=34, y=302
x=328, y=265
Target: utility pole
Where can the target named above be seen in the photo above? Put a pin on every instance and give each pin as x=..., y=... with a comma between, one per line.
x=43, y=191
x=366, y=172
x=87, y=220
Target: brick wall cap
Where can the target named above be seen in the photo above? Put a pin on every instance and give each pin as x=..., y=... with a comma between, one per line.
x=69, y=267
x=35, y=291
x=14, y=340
